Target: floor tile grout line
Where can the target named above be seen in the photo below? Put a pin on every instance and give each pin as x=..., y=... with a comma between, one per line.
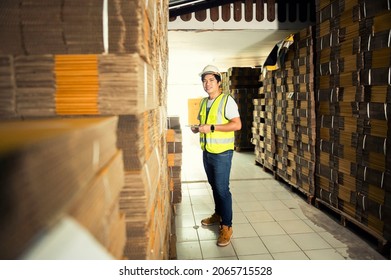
x=195, y=224
x=251, y=224
x=317, y=233
x=231, y=180
x=260, y=238
x=286, y=234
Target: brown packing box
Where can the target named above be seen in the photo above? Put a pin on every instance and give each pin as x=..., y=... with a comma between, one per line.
x=353, y=109
x=174, y=148
x=62, y=69
x=143, y=190
x=117, y=234
x=173, y=122
x=193, y=107
x=34, y=85
x=77, y=84
x=159, y=228
x=126, y=84
x=7, y=90
x=174, y=159
x=77, y=27
x=289, y=118
x=140, y=188
x=92, y=207
x=137, y=136
x=47, y=85
x=174, y=135
x=133, y=18
x=46, y=163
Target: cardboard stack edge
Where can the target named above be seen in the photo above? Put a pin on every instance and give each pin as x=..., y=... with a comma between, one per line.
x=242, y=83
x=71, y=85
x=283, y=124
x=74, y=156
x=329, y=125
x=174, y=149
x=353, y=161
x=76, y=76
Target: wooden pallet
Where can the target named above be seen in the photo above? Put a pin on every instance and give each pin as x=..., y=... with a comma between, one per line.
x=266, y=169
x=383, y=245
x=309, y=197
x=244, y=149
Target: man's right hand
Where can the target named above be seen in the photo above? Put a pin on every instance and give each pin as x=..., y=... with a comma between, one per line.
x=195, y=128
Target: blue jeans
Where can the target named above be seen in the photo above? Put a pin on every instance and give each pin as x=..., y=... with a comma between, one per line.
x=218, y=169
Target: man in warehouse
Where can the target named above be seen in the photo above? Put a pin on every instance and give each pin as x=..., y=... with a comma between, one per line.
x=219, y=119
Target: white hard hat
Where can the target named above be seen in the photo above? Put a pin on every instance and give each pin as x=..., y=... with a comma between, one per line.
x=210, y=69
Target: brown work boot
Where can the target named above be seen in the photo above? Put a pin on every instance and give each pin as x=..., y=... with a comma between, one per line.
x=225, y=236
x=212, y=220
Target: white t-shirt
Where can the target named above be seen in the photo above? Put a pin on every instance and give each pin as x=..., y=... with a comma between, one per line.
x=231, y=108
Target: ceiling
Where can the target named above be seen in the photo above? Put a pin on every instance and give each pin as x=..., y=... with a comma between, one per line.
x=181, y=7
x=191, y=50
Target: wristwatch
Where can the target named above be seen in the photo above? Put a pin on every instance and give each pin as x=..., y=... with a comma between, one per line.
x=212, y=128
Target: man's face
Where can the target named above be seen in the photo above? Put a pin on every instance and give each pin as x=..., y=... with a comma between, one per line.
x=211, y=85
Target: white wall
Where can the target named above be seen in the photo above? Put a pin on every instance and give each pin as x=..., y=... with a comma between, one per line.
x=178, y=96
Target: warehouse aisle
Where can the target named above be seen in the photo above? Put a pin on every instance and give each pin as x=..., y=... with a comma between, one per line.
x=270, y=220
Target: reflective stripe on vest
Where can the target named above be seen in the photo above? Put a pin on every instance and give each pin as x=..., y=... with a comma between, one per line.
x=216, y=142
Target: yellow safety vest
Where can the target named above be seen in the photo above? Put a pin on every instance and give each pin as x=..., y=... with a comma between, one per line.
x=216, y=142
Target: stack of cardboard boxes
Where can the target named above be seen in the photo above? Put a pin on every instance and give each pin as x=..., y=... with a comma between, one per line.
x=95, y=59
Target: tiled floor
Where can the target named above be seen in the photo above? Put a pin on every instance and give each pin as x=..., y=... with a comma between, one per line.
x=270, y=220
